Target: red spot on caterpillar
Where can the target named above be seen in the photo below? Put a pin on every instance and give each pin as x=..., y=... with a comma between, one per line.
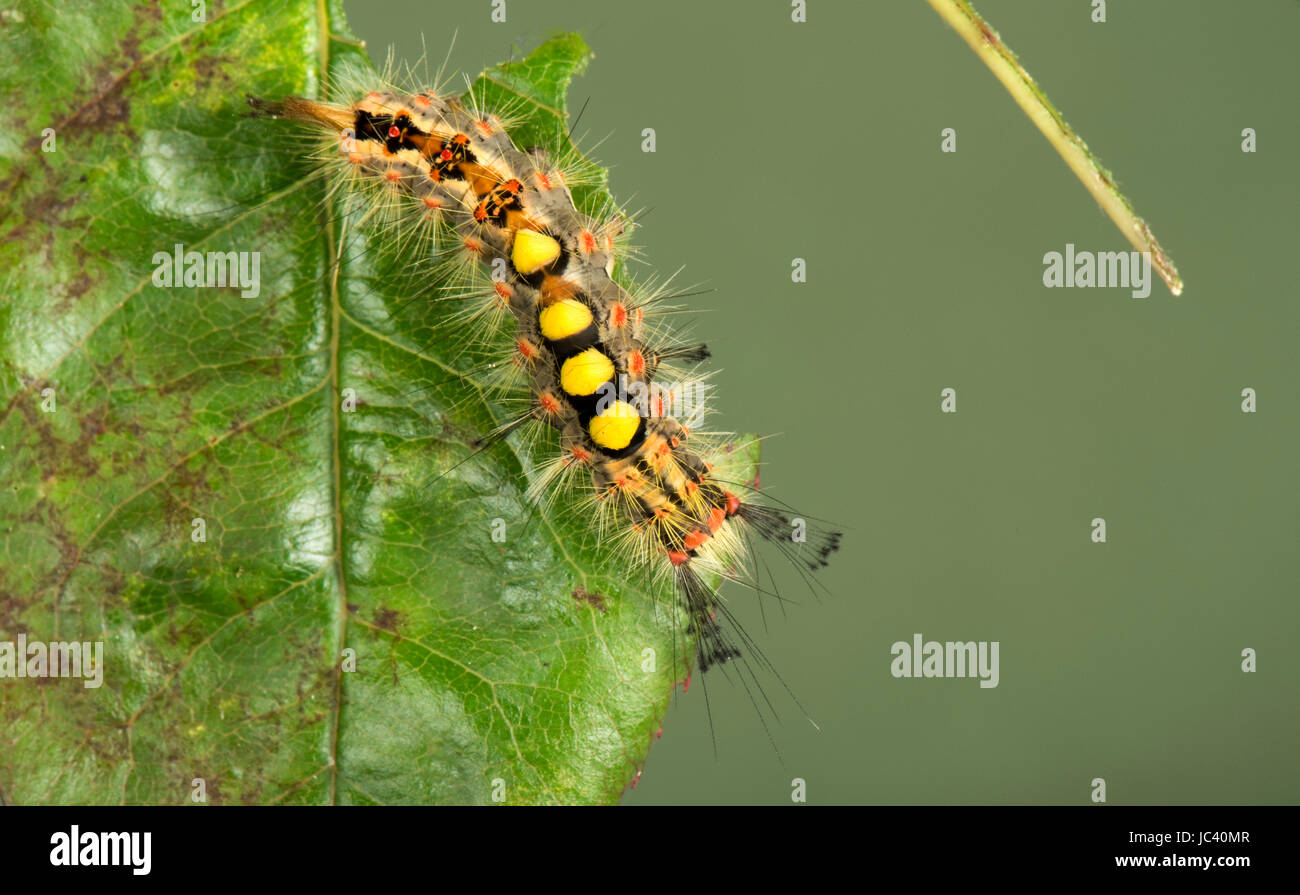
x=435, y=175
x=695, y=540
x=674, y=441
x=392, y=175
x=543, y=182
x=617, y=314
x=525, y=349
x=484, y=126
x=717, y=516
x=394, y=132
x=503, y=290
x=445, y=155
x=430, y=202
x=480, y=213
x=587, y=242
x=422, y=101
x=692, y=487
x=581, y=455
x=548, y=402
x=733, y=503
x=676, y=557
x=636, y=363
x=664, y=450
x=473, y=245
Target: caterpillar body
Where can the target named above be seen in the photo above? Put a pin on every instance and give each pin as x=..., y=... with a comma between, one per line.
x=444, y=168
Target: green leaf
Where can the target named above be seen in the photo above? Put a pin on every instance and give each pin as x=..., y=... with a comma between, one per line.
x=128, y=411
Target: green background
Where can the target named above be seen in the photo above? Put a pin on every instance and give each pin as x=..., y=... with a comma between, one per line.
x=821, y=140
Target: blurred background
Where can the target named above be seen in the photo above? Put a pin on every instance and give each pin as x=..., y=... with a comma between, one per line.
x=821, y=141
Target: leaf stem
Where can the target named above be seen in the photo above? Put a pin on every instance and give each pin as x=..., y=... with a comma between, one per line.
x=1086, y=166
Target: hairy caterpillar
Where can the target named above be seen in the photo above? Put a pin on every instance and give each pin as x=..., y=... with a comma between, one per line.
x=500, y=223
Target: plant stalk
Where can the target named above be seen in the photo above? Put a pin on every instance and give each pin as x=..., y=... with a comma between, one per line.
x=1086, y=166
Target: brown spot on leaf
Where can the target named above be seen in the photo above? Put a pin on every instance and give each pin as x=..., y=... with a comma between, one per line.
x=206, y=68
x=389, y=619
x=594, y=599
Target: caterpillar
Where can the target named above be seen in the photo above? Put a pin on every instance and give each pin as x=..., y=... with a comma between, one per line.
x=444, y=174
